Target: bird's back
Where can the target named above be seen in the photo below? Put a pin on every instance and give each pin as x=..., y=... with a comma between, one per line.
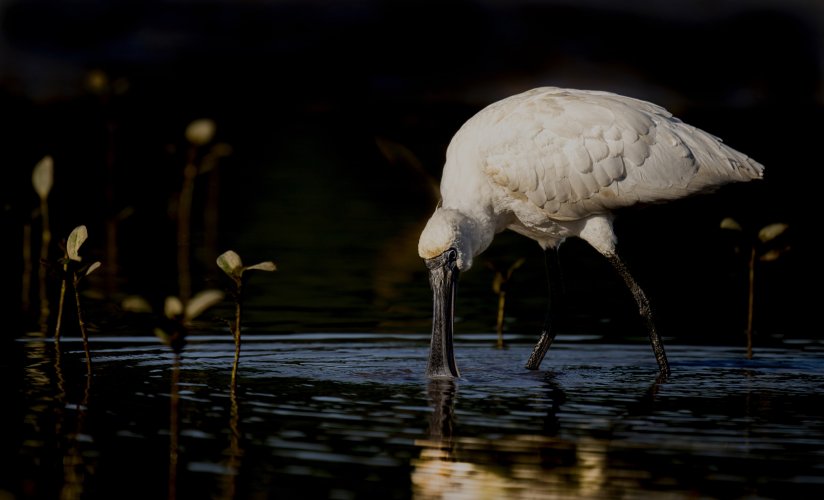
x=573, y=153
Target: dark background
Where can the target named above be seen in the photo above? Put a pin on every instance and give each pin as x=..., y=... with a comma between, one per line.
x=303, y=90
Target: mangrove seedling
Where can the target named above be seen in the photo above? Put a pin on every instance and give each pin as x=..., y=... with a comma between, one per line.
x=174, y=327
x=764, y=246
x=500, y=283
x=198, y=133
x=229, y=262
x=42, y=180
x=73, y=267
x=211, y=220
x=172, y=331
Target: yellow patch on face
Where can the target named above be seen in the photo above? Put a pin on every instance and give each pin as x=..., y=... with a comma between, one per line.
x=449, y=228
x=438, y=235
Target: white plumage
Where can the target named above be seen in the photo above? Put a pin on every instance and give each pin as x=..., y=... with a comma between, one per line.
x=552, y=163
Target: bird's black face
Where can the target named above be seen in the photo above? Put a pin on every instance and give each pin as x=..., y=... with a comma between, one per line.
x=443, y=277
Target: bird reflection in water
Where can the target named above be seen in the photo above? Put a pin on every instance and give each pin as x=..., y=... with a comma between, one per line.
x=437, y=471
x=534, y=465
x=516, y=465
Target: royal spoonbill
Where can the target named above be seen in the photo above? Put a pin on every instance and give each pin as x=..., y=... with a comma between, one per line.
x=553, y=163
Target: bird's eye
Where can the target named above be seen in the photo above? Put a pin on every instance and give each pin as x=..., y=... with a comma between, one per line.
x=451, y=255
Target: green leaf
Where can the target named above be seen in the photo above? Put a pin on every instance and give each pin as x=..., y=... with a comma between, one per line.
x=42, y=177
x=92, y=268
x=173, y=308
x=76, y=239
x=210, y=160
x=518, y=263
x=262, y=266
x=497, y=282
x=201, y=131
x=770, y=256
x=774, y=254
x=136, y=304
x=230, y=263
x=731, y=224
x=163, y=336
x=772, y=231
x=202, y=301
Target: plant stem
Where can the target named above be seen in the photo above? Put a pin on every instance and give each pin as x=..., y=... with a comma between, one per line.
x=501, y=301
x=82, y=323
x=62, y=300
x=236, y=332
x=184, y=209
x=60, y=311
x=44, y=255
x=750, y=302
x=211, y=216
x=26, y=286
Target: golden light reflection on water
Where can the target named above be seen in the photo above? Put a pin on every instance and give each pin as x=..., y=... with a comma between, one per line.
x=438, y=474
x=520, y=466
x=551, y=435
x=441, y=472
x=53, y=407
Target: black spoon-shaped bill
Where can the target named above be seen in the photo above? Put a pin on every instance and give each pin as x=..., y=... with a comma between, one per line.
x=443, y=277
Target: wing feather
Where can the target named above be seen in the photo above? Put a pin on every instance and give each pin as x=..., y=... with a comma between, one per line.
x=577, y=157
x=571, y=153
x=597, y=148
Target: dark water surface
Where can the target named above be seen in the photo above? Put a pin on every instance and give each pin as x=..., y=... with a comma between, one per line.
x=351, y=415
x=338, y=118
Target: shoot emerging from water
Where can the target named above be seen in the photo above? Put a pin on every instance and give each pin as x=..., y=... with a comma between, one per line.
x=73, y=267
x=229, y=262
x=500, y=283
x=767, y=245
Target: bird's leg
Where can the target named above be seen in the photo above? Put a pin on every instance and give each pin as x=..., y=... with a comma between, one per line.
x=644, y=309
x=548, y=329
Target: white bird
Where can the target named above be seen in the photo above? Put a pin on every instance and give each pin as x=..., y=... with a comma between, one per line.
x=554, y=163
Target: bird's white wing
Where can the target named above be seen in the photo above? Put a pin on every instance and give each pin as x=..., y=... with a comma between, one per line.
x=575, y=153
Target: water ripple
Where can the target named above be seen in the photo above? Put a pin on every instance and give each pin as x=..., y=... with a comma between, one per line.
x=356, y=414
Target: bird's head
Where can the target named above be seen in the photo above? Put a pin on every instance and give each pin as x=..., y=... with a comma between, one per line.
x=449, y=229
x=447, y=245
